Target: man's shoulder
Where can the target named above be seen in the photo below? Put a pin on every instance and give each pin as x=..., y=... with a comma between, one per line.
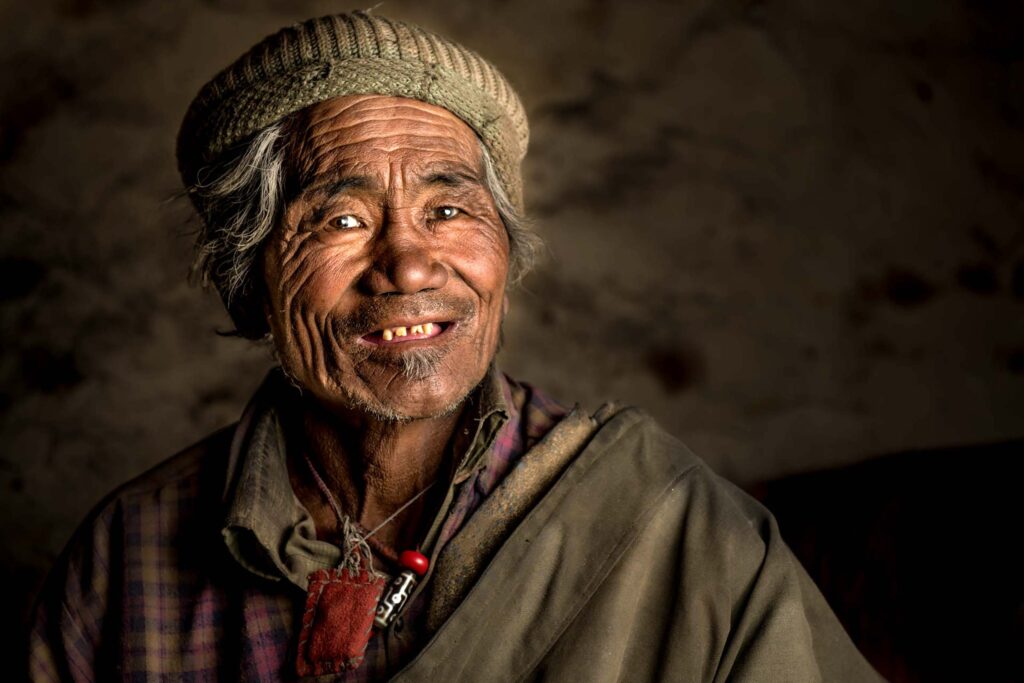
x=621, y=445
x=195, y=465
x=190, y=480
x=163, y=510
x=640, y=488
x=647, y=460
x=640, y=446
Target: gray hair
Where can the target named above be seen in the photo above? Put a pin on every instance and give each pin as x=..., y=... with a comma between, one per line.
x=240, y=200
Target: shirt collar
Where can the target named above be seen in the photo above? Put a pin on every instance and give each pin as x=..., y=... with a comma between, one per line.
x=491, y=408
x=266, y=529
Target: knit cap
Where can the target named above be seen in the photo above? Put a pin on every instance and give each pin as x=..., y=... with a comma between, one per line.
x=354, y=54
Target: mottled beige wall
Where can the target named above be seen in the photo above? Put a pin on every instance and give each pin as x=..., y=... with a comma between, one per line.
x=791, y=230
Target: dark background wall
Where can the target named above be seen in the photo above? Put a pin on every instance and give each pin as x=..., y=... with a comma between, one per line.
x=791, y=229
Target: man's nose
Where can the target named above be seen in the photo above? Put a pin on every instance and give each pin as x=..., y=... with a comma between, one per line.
x=404, y=258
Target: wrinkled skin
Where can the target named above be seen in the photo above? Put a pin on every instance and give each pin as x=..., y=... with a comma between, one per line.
x=388, y=223
x=348, y=261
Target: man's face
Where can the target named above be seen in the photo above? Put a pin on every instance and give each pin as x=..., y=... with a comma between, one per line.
x=386, y=276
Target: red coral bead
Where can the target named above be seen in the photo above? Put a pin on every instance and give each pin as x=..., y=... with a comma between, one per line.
x=414, y=561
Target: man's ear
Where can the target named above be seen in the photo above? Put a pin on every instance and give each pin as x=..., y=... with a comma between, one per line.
x=504, y=306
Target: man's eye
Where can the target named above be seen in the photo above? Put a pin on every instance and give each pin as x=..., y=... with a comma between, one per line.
x=446, y=213
x=346, y=222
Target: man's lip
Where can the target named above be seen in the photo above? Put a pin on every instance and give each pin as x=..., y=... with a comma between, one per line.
x=406, y=331
x=410, y=322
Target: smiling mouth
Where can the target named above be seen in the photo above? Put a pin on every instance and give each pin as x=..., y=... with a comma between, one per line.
x=403, y=334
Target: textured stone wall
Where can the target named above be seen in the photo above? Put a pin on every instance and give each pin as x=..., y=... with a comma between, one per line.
x=790, y=229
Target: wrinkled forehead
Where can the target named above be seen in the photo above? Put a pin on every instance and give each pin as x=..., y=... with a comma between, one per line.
x=367, y=134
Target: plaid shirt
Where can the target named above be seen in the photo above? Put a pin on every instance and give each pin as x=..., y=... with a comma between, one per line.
x=189, y=574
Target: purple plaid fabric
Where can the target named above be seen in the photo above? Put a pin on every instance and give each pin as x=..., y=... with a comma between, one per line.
x=147, y=590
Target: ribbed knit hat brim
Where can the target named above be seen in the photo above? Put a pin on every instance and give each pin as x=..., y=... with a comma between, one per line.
x=354, y=54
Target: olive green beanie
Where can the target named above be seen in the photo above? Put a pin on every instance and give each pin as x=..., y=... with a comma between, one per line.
x=354, y=54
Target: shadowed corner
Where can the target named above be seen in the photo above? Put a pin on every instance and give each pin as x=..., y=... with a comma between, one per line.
x=19, y=585
x=917, y=554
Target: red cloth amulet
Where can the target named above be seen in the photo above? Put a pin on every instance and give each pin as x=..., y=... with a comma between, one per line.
x=337, y=622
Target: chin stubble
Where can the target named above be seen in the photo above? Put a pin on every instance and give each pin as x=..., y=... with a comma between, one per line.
x=419, y=364
x=416, y=365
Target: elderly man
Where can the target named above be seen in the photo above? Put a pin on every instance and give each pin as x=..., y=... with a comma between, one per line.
x=390, y=505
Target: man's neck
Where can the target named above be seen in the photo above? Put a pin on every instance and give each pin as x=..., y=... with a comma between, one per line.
x=372, y=467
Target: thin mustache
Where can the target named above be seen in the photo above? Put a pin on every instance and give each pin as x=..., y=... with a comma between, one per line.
x=371, y=315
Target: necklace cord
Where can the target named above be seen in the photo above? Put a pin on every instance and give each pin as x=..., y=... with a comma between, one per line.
x=333, y=502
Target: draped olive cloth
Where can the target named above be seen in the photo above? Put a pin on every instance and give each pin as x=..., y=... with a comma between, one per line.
x=637, y=564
